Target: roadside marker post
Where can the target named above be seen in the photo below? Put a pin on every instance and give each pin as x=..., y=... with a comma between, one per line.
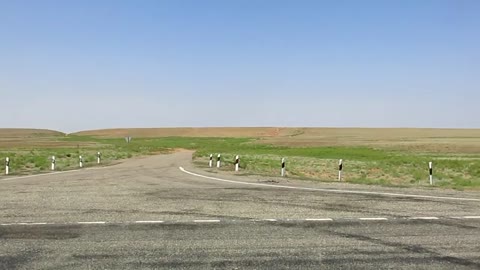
x=81, y=162
x=340, y=168
x=98, y=157
x=218, y=160
x=237, y=163
x=53, y=163
x=7, y=165
x=210, y=163
x=430, y=170
x=283, y=167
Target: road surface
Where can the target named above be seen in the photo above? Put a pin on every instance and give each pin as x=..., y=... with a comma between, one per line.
x=149, y=214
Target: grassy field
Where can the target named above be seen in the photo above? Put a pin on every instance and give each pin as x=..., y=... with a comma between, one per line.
x=394, y=157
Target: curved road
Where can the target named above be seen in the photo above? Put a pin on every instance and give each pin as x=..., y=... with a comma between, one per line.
x=149, y=214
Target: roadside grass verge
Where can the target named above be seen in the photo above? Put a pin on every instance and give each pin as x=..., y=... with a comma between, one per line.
x=362, y=165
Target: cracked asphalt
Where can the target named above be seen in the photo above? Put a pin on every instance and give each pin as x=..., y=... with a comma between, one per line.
x=154, y=189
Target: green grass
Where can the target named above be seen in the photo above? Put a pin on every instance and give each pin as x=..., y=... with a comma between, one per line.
x=363, y=165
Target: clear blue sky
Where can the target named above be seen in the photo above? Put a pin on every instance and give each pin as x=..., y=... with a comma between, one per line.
x=75, y=65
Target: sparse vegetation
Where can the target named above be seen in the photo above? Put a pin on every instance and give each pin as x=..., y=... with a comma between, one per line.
x=376, y=163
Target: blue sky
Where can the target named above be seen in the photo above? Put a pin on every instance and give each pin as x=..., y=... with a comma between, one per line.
x=76, y=65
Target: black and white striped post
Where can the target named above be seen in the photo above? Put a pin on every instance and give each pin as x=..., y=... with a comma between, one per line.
x=53, y=163
x=430, y=170
x=237, y=163
x=99, y=155
x=218, y=160
x=7, y=165
x=283, y=168
x=80, y=161
x=340, y=168
x=210, y=163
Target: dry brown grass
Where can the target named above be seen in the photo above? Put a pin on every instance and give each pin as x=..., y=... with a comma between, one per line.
x=28, y=133
x=38, y=138
x=246, y=132
x=465, y=141
x=408, y=139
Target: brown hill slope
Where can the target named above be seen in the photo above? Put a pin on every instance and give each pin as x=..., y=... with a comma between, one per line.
x=189, y=132
x=27, y=133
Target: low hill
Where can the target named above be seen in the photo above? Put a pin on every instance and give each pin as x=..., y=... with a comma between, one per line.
x=188, y=132
x=298, y=133
x=28, y=133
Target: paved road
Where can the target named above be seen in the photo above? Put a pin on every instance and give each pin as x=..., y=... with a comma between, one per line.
x=148, y=214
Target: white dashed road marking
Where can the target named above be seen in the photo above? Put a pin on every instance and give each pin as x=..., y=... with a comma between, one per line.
x=318, y=219
x=423, y=218
x=206, y=221
x=92, y=222
x=149, y=221
x=240, y=221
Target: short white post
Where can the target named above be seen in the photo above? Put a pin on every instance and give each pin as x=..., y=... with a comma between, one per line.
x=237, y=163
x=218, y=161
x=210, y=163
x=53, y=163
x=340, y=167
x=430, y=170
x=81, y=162
x=7, y=165
x=98, y=157
x=283, y=167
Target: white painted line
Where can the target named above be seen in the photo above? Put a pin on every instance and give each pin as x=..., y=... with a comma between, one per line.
x=269, y=219
x=332, y=190
x=91, y=222
x=471, y=217
x=423, y=218
x=319, y=219
x=373, y=218
x=37, y=175
x=206, y=221
x=148, y=221
x=50, y=173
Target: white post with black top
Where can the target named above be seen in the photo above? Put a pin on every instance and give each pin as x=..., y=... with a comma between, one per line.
x=219, y=157
x=237, y=163
x=340, y=168
x=7, y=165
x=99, y=155
x=80, y=161
x=430, y=170
x=283, y=167
x=210, y=163
x=53, y=163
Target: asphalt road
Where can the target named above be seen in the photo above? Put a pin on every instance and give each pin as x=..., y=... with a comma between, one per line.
x=147, y=214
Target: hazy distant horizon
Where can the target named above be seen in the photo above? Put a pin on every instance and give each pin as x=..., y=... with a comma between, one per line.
x=83, y=65
x=185, y=127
